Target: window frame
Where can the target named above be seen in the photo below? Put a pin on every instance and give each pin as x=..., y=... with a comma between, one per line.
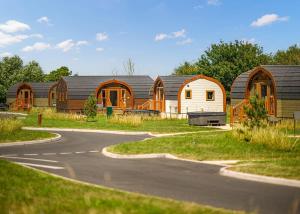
x=186, y=91
x=214, y=95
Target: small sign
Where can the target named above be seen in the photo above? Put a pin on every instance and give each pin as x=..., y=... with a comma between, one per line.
x=297, y=115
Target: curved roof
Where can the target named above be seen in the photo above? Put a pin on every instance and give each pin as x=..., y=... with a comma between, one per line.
x=80, y=87
x=172, y=85
x=286, y=77
x=40, y=89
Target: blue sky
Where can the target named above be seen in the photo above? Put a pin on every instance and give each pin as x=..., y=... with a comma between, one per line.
x=96, y=37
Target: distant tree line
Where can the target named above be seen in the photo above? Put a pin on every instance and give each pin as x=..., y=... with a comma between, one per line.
x=13, y=70
x=226, y=60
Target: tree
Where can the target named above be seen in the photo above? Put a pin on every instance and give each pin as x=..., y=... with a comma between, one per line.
x=90, y=107
x=225, y=61
x=186, y=68
x=289, y=57
x=129, y=67
x=10, y=73
x=55, y=75
x=32, y=72
x=256, y=112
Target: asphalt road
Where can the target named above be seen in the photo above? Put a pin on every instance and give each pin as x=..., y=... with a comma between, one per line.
x=78, y=156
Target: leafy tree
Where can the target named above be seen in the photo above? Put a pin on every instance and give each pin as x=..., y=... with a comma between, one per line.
x=289, y=57
x=225, y=61
x=129, y=67
x=10, y=73
x=256, y=112
x=186, y=68
x=90, y=107
x=55, y=75
x=32, y=72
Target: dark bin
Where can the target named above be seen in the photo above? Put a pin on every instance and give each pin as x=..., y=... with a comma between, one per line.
x=109, y=111
x=207, y=118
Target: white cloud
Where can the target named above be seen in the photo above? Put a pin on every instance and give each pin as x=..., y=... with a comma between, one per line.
x=199, y=6
x=213, y=2
x=7, y=39
x=10, y=39
x=38, y=46
x=5, y=54
x=12, y=26
x=102, y=36
x=180, y=33
x=161, y=36
x=185, y=42
x=75, y=59
x=100, y=49
x=66, y=45
x=173, y=35
x=43, y=19
x=251, y=40
x=268, y=19
x=81, y=42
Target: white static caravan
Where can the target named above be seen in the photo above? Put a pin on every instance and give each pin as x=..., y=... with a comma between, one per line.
x=175, y=96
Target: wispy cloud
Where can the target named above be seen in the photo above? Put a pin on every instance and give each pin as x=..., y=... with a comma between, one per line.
x=214, y=2
x=173, y=35
x=10, y=39
x=185, y=42
x=268, y=19
x=68, y=44
x=251, y=40
x=5, y=54
x=99, y=49
x=82, y=42
x=12, y=26
x=102, y=36
x=44, y=20
x=38, y=46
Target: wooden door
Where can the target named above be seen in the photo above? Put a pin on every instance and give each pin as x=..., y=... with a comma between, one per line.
x=265, y=92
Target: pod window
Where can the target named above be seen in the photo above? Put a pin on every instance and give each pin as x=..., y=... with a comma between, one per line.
x=210, y=95
x=188, y=94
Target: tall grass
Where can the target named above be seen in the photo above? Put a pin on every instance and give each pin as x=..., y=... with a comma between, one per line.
x=129, y=120
x=269, y=136
x=50, y=113
x=10, y=125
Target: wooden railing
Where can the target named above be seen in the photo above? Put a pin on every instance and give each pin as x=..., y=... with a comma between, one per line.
x=146, y=105
x=237, y=113
x=20, y=104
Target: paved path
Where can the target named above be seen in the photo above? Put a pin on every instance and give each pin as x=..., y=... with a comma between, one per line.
x=78, y=156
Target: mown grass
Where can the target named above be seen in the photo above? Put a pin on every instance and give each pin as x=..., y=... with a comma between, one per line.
x=101, y=122
x=23, y=135
x=221, y=146
x=23, y=190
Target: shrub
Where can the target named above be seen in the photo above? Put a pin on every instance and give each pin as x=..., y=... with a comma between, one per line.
x=90, y=107
x=10, y=125
x=256, y=112
x=129, y=120
x=269, y=136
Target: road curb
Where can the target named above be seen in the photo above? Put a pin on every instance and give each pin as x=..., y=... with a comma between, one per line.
x=21, y=143
x=119, y=132
x=87, y=130
x=164, y=155
x=259, y=178
x=224, y=171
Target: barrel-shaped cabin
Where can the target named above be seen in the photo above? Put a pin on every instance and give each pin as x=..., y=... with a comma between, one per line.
x=277, y=85
x=119, y=92
x=190, y=93
x=25, y=95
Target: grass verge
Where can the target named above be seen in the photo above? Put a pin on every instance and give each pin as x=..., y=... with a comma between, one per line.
x=23, y=135
x=27, y=191
x=221, y=146
x=101, y=122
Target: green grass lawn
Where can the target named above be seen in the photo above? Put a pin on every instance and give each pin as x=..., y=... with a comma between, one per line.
x=221, y=146
x=23, y=135
x=155, y=126
x=23, y=190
